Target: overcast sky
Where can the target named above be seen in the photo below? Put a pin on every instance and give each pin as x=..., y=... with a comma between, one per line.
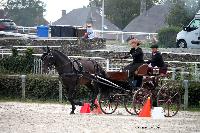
x=54, y=7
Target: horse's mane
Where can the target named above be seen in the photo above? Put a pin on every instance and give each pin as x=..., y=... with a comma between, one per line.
x=60, y=54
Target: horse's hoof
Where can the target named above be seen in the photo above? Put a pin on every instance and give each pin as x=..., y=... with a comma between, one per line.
x=80, y=103
x=94, y=106
x=72, y=113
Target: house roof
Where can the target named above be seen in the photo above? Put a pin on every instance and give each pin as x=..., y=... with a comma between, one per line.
x=150, y=21
x=81, y=16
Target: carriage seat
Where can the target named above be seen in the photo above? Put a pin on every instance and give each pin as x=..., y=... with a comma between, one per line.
x=118, y=75
x=145, y=70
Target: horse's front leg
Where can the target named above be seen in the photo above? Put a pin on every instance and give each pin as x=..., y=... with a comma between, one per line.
x=95, y=91
x=71, y=97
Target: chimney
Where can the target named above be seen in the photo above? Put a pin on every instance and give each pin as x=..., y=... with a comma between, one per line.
x=63, y=13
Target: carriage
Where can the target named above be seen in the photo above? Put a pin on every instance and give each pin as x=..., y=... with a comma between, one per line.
x=162, y=94
x=114, y=88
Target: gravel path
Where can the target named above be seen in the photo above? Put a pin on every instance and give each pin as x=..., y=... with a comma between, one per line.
x=18, y=117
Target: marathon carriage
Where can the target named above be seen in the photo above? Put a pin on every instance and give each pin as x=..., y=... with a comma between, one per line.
x=114, y=87
x=162, y=94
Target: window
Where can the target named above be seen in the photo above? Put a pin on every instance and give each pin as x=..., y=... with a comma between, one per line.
x=195, y=23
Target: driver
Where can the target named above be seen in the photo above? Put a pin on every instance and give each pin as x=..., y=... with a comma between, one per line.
x=137, y=54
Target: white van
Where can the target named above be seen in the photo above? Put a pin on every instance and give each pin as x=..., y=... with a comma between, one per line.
x=189, y=37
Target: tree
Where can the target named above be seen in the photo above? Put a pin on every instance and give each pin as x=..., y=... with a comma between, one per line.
x=25, y=12
x=121, y=12
x=96, y=3
x=182, y=12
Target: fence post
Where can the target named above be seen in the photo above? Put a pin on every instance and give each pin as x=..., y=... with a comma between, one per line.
x=122, y=37
x=173, y=73
x=23, y=77
x=60, y=92
x=196, y=72
x=182, y=73
x=185, y=85
x=107, y=64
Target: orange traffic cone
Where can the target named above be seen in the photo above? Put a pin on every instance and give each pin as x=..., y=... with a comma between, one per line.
x=96, y=110
x=85, y=108
x=146, y=110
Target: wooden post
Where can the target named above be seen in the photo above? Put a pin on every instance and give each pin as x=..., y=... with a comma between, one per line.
x=182, y=73
x=186, y=86
x=23, y=77
x=60, y=92
x=107, y=64
x=173, y=73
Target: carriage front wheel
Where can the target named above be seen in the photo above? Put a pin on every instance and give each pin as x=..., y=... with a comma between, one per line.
x=128, y=103
x=169, y=98
x=108, y=103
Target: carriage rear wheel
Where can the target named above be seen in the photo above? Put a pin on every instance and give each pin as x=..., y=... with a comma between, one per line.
x=128, y=103
x=169, y=98
x=140, y=98
x=108, y=103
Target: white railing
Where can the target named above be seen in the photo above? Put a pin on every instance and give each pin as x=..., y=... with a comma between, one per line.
x=118, y=35
x=27, y=30
x=116, y=65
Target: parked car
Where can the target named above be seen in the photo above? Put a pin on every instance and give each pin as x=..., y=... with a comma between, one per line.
x=189, y=37
x=8, y=25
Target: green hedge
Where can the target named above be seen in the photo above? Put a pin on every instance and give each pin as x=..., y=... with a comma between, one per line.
x=46, y=88
x=10, y=87
x=42, y=88
x=194, y=94
x=37, y=87
x=167, y=36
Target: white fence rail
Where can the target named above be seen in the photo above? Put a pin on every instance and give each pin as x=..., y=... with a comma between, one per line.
x=116, y=65
x=117, y=35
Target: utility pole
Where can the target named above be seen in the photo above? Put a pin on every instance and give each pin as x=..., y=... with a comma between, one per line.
x=102, y=22
x=143, y=7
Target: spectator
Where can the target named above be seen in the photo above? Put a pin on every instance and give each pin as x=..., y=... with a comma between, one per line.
x=90, y=33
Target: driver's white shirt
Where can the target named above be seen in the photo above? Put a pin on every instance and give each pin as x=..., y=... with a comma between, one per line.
x=90, y=33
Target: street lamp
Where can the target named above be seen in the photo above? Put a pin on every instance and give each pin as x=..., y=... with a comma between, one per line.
x=102, y=20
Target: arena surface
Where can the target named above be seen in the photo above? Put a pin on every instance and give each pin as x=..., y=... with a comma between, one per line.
x=16, y=117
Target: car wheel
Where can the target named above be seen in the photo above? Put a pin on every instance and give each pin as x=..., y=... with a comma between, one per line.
x=181, y=44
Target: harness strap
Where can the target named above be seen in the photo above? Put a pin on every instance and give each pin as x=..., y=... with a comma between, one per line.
x=79, y=65
x=96, y=66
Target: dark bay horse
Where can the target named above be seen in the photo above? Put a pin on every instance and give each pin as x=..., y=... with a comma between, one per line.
x=72, y=74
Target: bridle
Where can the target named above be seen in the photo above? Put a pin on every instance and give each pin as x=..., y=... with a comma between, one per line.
x=49, y=56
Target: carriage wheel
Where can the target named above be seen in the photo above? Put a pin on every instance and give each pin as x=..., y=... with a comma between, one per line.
x=128, y=104
x=169, y=98
x=140, y=98
x=108, y=103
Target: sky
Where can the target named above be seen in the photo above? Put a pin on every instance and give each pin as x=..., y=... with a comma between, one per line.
x=54, y=7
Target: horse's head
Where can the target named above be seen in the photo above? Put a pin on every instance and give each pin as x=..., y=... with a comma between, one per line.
x=47, y=60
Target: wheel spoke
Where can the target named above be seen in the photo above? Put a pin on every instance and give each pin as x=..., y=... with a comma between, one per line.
x=108, y=104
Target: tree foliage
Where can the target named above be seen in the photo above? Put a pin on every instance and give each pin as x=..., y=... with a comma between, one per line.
x=2, y=3
x=167, y=36
x=16, y=63
x=121, y=12
x=182, y=12
x=25, y=12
